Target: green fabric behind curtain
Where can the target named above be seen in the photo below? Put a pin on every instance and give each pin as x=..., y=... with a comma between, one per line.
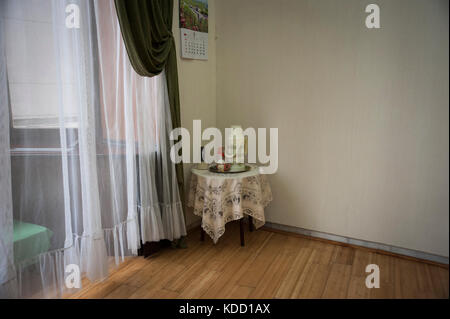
x=146, y=27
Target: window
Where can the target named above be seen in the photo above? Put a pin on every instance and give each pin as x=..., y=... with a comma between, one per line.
x=31, y=68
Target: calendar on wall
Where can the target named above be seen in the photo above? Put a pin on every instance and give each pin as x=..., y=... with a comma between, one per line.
x=194, y=29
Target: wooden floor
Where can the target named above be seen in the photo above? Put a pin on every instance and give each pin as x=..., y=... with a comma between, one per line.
x=271, y=265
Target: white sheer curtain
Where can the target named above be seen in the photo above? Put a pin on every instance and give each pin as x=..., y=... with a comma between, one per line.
x=7, y=271
x=147, y=105
x=90, y=173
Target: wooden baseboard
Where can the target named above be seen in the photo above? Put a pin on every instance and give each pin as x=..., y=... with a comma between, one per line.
x=368, y=246
x=430, y=259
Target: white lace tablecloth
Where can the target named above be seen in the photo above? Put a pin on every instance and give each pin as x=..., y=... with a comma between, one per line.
x=220, y=198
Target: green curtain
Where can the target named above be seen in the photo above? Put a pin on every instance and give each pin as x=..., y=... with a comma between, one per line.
x=146, y=27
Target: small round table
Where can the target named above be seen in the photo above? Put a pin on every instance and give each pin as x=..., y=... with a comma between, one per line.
x=219, y=198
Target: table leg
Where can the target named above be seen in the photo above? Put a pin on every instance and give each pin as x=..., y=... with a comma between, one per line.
x=250, y=223
x=202, y=234
x=241, y=227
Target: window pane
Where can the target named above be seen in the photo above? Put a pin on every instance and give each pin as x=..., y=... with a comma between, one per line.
x=31, y=67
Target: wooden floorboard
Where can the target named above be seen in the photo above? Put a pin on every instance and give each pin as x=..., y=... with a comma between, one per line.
x=271, y=265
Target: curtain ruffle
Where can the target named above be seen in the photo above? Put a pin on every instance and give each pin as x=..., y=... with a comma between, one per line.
x=173, y=220
x=162, y=221
x=43, y=276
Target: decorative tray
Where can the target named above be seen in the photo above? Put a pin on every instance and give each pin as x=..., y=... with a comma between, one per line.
x=214, y=169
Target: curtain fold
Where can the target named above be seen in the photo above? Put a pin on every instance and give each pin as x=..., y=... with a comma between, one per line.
x=146, y=27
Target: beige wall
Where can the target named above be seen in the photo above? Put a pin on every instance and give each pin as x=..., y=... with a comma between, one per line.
x=197, y=80
x=362, y=114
